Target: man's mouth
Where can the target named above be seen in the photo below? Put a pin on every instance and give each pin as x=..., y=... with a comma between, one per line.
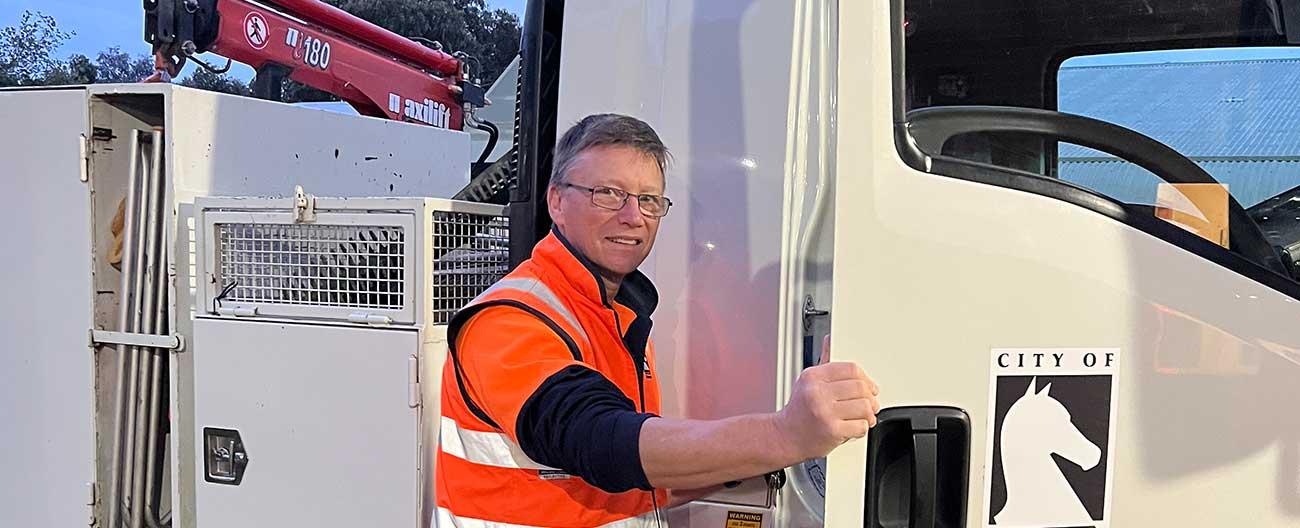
x=624, y=241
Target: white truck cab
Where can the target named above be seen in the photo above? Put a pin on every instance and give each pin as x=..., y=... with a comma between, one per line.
x=1057, y=346
x=1061, y=235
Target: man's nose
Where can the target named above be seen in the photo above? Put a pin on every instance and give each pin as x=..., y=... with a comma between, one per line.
x=630, y=214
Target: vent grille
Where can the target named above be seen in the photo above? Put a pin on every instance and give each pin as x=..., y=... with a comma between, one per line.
x=313, y=265
x=470, y=252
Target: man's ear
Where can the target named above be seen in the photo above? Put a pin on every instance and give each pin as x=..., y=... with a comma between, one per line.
x=553, y=202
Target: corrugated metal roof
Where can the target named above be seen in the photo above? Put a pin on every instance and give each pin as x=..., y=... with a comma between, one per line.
x=1250, y=180
x=1240, y=120
x=1222, y=108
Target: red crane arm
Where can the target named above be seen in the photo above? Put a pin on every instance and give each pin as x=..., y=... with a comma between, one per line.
x=379, y=73
x=329, y=16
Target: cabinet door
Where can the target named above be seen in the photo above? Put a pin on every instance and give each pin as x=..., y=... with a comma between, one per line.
x=47, y=388
x=325, y=432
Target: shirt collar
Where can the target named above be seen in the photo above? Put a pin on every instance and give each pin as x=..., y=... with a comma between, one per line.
x=637, y=291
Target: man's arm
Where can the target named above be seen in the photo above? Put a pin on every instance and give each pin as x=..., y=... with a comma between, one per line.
x=679, y=453
x=565, y=415
x=831, y=404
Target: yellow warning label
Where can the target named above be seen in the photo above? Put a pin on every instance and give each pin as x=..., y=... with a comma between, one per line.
x=744, y=520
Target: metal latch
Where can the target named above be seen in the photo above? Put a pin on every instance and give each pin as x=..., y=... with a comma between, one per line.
x=166, y=342
x=304, y=206
x=225, y=457
x=810, y=311
x=775, y=481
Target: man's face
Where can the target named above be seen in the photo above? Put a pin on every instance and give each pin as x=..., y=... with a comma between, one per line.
x=615, y=241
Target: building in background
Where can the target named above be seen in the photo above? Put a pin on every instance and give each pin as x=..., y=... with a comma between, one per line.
x=1236, y=119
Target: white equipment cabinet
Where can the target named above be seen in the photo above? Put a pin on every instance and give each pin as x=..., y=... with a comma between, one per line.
x=318, y=345
x=72, y=160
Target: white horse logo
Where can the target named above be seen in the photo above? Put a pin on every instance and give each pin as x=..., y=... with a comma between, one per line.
x=1036, y=427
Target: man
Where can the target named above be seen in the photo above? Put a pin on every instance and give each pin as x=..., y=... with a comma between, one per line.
x=548, y=400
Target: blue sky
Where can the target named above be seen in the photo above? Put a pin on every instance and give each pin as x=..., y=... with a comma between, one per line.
x=100, y=24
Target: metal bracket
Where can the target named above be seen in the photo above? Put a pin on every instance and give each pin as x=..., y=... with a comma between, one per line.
x=413, y=382
x=91, y=497
x=238, y=311
x=85, y=148
x=304, y=206
x=166, y=342
x=371, y=319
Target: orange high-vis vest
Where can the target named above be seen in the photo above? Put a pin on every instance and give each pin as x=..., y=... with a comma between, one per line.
x=548, y=315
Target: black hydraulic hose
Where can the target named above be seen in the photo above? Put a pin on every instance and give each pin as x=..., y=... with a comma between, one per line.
x=493, y=135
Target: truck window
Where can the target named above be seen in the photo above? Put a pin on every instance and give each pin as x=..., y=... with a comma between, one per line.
x=992, y=90
x=1235, y=112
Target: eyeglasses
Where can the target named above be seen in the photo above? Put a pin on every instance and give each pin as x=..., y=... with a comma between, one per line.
x=651, y=205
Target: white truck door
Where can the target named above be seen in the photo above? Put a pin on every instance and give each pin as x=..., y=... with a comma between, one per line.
x=1120, y=365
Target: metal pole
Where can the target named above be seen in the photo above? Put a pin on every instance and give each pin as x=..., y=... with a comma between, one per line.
x=123, y=313
x=152, y=473
x=144, y=391
x=133, y=376
x=133, y=386
x=151, y=440
x=156, y=322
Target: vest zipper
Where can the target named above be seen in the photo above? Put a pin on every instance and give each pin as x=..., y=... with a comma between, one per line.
x=640, y=381
x=640, y=389
x=639, y=363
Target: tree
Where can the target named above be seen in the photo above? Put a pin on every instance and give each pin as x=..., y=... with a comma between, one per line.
x=78, y=69
x=499, y=43
x=490, y=36
x=27, y=50
x=117, y=66
x=216, y=82
x=296, y=92
x=112, y=66
x=27, y=57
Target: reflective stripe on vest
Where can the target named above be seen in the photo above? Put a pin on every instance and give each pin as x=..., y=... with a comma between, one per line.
x=448, y=519
x=536, y=288
x=483, y=447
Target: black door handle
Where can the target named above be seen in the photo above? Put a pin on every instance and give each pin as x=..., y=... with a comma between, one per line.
x=918, y=466
x=925, y=472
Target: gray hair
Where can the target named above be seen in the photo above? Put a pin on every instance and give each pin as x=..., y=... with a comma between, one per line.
x=606, y=129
